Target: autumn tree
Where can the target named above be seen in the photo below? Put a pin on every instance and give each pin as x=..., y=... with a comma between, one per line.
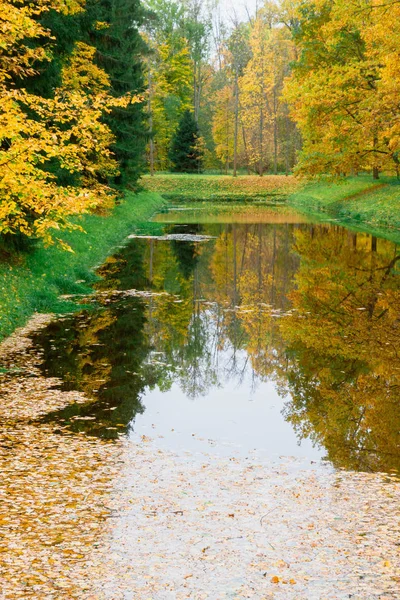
x=271, y=136
x=169, y=77
x=249, y=107
x=197, y=32
x=55, y=153
x=239, y=55
x=223, y=126
x=344, y=88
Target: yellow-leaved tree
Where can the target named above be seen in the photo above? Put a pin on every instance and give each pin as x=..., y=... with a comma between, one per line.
x=37, y=133
x=344, y=91
x=169, y=75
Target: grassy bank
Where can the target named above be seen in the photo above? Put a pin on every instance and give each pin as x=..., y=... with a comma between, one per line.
x=34, y=282
x=221, y=188
x=357, y=200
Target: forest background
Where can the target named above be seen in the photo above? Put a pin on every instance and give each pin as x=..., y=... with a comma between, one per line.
x=92, y=93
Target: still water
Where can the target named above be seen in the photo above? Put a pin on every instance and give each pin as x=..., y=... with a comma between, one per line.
x=239, y=333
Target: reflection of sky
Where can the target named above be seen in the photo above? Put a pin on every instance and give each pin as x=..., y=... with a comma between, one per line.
x=230, y=419
x=219, y=402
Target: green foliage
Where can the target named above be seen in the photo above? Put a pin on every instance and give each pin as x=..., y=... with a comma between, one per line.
x=185, y=152
x=177, y=72
x=35, y=281
x=114, y=31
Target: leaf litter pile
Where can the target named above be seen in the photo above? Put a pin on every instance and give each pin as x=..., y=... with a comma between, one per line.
x=85, y=518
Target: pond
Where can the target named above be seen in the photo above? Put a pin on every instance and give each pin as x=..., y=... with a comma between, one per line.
x=255, y=332
x=218, y=419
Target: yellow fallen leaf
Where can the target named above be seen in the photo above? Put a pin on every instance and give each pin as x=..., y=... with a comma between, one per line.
x=387, y=564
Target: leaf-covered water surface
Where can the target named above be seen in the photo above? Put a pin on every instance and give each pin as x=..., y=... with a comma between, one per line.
x=219, y=419
x=53, y=485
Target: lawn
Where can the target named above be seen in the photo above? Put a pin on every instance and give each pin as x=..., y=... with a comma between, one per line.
x=177, y=187
x=356, y=200
x=33, y=282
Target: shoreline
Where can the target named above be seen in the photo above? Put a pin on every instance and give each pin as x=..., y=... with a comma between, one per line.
x=358, y=203
x=34, y=282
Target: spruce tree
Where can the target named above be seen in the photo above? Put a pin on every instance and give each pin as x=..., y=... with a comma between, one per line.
x=112, y=27
x=120, y=49
x=185, y=153
x=65, y=31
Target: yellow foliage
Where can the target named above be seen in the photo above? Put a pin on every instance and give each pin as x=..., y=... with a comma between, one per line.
x=344, y=92
x=66, y=130
x=82, y=74
x=169, y=77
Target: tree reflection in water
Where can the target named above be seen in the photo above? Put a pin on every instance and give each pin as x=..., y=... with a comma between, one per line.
x=343, y=343
x=313, y=308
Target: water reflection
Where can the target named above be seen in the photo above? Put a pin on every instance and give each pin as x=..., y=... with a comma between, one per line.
x=343, y=342
x=101, y=352
x=309, y=312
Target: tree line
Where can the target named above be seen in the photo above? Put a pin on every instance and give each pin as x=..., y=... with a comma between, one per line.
x=310, y=85
x=95, y=92
x=72, y=123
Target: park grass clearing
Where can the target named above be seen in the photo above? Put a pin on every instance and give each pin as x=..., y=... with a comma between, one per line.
x=33, y=282
x=356, y=201
x=221, y=188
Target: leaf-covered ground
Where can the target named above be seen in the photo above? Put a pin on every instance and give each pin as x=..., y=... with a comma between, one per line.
x=53, y=485
x=220, y=187
x=83, y=518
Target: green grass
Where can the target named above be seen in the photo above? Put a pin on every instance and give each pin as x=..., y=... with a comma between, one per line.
x=33, y=282
x=357, y=200
x=220, y=188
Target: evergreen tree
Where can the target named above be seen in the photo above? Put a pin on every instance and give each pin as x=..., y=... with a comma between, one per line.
x=112, y=27
x=65, y=30
x=120, y=50
x=185, y=153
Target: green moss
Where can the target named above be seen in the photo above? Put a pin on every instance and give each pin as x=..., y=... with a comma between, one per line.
x=34, y=282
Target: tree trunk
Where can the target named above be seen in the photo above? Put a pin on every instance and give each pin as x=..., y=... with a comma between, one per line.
x=375, y=170
x=245, y=150
x=275, y=133
x=227, y=139
x=197, y=90
x=151, y=144
x=235, y=140
x=261, y=143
